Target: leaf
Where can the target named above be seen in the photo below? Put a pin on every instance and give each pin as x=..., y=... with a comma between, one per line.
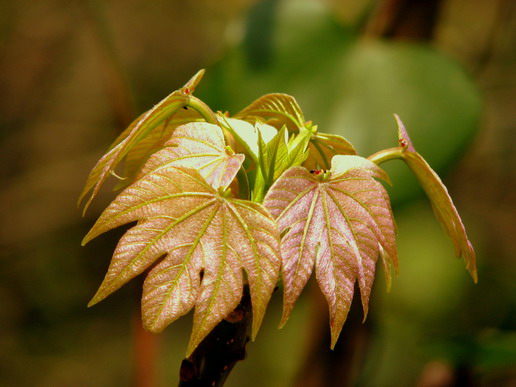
x=441, y=202
x=277, y=156
x=246, y=134
x=201, y=146
x=323, y=147
x=339, y=222
x=139, y=129
x=278, y=107
x=199, y=241
x=281, y=153
x=155, y=140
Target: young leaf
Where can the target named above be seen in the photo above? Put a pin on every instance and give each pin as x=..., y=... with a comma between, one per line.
x=154, y=141
x=199, y=240
x=441, y=202
x=280, y=109
x=323, y=147
x=340, y=222
x=277, y=156
x=201, y=146
x=281, y=153
x=139, y=129
x=247, y=134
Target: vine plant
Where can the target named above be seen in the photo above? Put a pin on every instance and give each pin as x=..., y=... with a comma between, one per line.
x=228, y=207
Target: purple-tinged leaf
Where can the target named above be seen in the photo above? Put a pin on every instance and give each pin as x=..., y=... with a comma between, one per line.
x=199, y=241
x=441, y=202
x=340, y=222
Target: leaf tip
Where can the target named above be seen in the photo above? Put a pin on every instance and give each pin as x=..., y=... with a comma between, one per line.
x=403, y=137
x=284, y=318
x=190, y=86
x=470, y=258
x=93, y=301
x=192, y=345
x=86, y=204
x=474, y=275
x=87, y=238
x=366, y=312
x=334, y=338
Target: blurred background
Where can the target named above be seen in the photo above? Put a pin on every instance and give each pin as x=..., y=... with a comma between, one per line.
x=73, y=74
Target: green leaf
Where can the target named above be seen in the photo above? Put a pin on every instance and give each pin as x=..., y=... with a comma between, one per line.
x=339, y=222
x=282, y=153
x=275, y=109
x=197, y=241
x=441, y=202
x=246, y=135
x=139, y=129
x=279, y=155
x=297, y=151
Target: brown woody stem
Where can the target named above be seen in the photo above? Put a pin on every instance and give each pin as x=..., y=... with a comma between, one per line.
x=212, y=361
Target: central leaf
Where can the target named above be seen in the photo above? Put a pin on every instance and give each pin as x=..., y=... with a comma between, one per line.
x=340, y=222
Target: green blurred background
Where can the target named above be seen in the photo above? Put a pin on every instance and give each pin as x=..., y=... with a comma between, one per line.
x=74, y=73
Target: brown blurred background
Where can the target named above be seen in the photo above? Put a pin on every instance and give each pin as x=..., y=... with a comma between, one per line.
x=74, y=73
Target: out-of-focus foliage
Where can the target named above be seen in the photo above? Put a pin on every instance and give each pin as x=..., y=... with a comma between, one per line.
x=62, y=102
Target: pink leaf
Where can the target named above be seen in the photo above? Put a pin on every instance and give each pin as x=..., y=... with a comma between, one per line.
x=201, y=146
x=339, y=222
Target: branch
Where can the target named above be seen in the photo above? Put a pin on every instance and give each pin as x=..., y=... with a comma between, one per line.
x=215, y=357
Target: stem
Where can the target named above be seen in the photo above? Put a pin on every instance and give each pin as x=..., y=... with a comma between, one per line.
x=214, y=358
x=386, y=155
x=203, y=109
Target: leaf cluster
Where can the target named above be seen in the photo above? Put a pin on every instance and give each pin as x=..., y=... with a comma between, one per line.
x=222, y=202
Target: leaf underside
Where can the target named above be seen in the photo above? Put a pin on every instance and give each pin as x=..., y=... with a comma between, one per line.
x=197, y=240
x=442, y=204
x=275, y=109
x=339, y=225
